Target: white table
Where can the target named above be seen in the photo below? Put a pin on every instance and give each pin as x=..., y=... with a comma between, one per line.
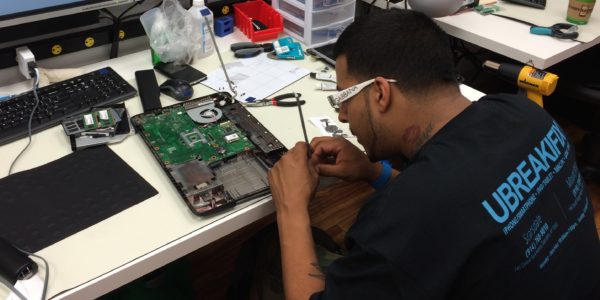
x=161, y=229
x=507, y=37
x=511, y=39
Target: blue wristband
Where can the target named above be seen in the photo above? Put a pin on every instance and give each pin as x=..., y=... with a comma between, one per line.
x=384, y=176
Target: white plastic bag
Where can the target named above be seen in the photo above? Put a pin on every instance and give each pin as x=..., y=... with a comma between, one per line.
x=169, y=28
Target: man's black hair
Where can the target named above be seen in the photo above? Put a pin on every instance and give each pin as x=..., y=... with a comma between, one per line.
x=399, y=44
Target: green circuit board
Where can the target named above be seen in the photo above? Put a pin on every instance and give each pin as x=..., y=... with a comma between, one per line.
x=98, y=119
x=177, y=139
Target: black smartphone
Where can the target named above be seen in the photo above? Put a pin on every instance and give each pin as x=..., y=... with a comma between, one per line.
x=183, y=72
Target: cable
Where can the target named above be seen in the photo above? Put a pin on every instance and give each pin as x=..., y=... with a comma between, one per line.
x=12, y=288
x=105, y=17
x=114, y=49
x=128, y=9
x=371, y=6
x=36, y=83
x=106, y=11
x=46, y=271
x=117, y=21
x=127, y=18
x=212, y=35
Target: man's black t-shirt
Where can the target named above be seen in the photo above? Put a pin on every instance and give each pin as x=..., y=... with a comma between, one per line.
x=492, y=207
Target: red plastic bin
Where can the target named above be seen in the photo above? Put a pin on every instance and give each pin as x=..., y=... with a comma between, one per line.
x=258, y=10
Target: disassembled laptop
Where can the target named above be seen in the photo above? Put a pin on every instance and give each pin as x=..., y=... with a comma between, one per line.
x=213, y=150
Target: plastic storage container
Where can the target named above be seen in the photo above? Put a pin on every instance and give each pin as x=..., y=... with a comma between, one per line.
x=258, y=10
x=315, y=22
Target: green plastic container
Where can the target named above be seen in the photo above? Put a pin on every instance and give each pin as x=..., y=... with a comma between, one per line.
x=579, y=11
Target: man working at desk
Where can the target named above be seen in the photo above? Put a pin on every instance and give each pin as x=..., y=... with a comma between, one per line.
x=490, y=205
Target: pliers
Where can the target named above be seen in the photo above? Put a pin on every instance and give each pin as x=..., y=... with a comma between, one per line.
x=280, y=100
x=248, y=49
x=558, y=30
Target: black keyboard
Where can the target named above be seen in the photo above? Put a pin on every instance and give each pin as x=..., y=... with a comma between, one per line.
x=61, y=100
x=532, y=3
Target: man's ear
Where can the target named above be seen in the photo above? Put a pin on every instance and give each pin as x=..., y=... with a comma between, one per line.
x=382, y=94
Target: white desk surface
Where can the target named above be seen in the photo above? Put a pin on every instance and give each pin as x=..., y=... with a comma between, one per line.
x=507, y=37
x=161, y=229
x=511, y=39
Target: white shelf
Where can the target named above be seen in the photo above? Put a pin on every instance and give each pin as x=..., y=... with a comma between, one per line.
x=324, y=43
x=291, y=18
x=293, y=34
x=295, y=3
x=314, y=23
x=340, y=22
x=324, y=10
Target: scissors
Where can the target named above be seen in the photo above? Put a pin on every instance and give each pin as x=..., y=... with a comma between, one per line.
x=558, y=30
x=284, y=100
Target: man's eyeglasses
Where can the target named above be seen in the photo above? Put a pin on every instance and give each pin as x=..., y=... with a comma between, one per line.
x=336, y=99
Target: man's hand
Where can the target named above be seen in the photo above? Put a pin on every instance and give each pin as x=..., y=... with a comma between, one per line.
x=293, y=180
x=339, y=158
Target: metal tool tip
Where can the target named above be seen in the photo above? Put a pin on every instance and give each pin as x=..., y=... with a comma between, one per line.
x=491, y=65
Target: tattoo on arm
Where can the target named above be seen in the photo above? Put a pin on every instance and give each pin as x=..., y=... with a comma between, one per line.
x=318, y=275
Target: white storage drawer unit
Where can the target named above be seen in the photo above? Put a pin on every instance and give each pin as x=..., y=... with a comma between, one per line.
x=315, y=22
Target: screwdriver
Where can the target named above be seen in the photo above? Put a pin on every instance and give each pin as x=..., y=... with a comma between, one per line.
x=299, y=104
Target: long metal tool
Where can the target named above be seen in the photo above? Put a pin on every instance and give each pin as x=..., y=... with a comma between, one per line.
x=212, y=35
x=299, y=104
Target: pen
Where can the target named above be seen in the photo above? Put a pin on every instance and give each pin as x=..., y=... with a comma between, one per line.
x=308, y=152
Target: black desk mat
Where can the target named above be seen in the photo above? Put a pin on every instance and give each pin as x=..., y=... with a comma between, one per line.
x=42, y=206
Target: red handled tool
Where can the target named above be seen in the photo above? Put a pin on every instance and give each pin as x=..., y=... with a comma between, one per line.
x=284, y=100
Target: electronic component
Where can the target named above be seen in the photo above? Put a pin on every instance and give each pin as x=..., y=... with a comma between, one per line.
x=206, y=113
x=186, y=73
x=193, y=137
x=243, y=176
x=95, y=123
x=13, y=13
x=206, y=146
x=197, y=181
x=232, y=137
x=257, y=133
x=98, y=120
x=149, y=89
x=541, y=4
x=324, y=52
x=178, y=139
x=104, y=125
x=177, y=89
x=60, y=101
